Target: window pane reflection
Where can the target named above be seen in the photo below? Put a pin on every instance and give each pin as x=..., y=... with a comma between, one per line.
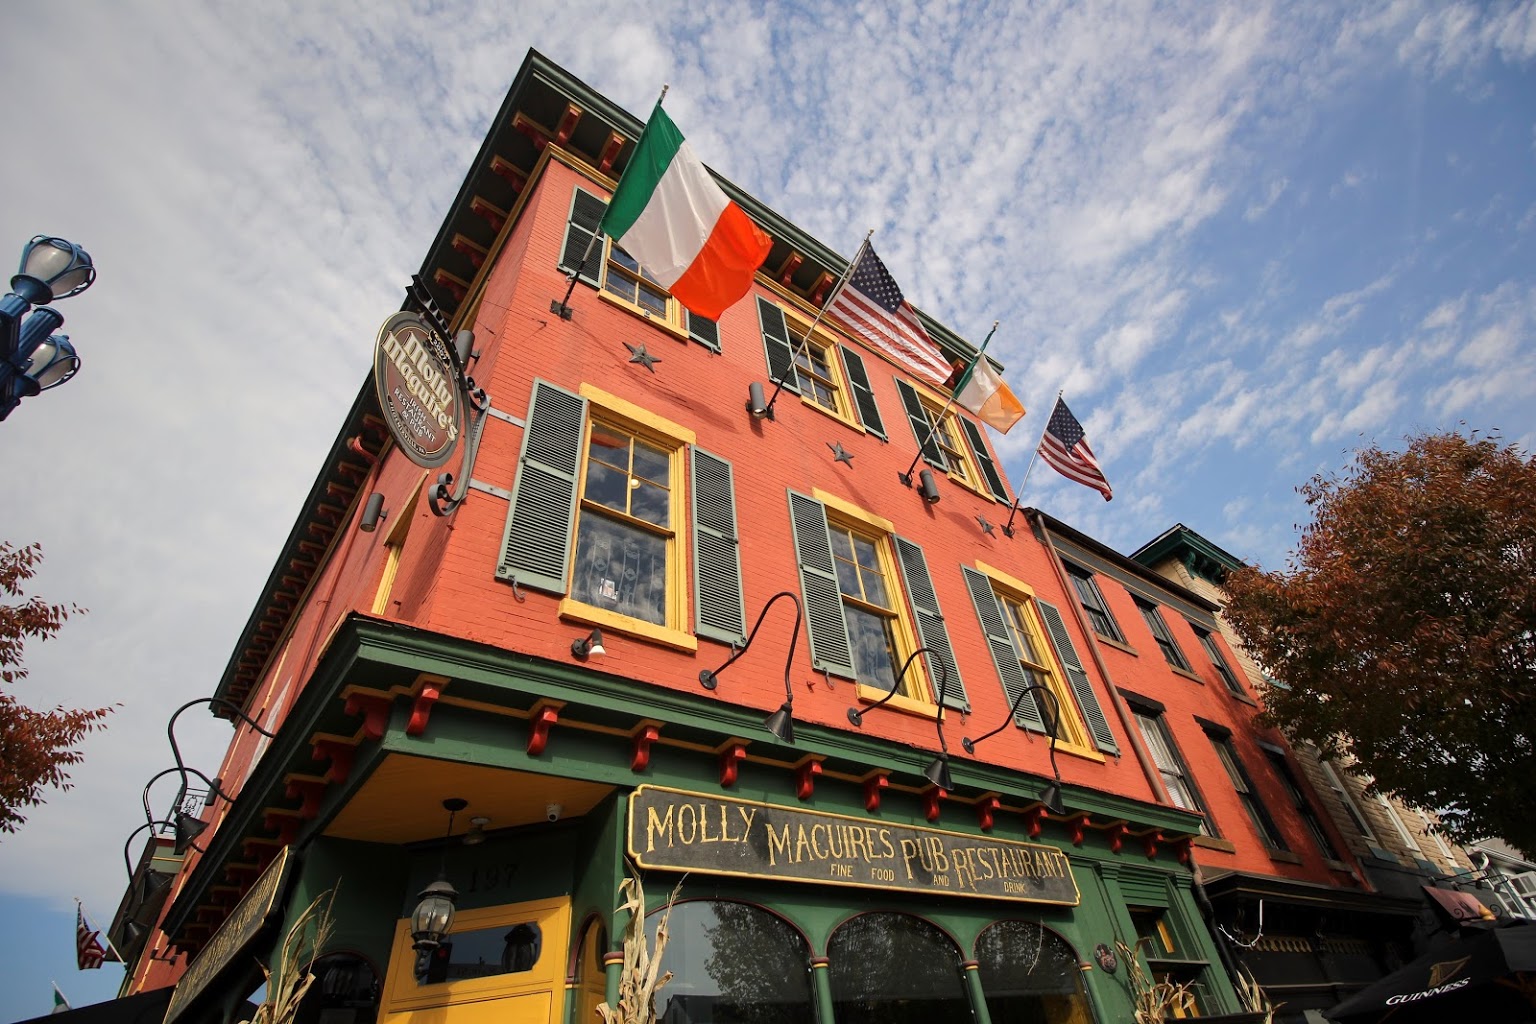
x=488, y=951
x=732, y=964
x=895, y=969
x=1030, y=976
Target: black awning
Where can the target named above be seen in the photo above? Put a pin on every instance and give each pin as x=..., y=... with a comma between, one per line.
x=1486, y=974
x=143, y=1008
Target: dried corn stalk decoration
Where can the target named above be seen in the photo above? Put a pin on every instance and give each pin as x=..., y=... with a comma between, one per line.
x=1155, y=1001
x=287, y=984
x=640, y=979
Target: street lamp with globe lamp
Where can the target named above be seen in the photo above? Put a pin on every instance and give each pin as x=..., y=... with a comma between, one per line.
x=32, y=357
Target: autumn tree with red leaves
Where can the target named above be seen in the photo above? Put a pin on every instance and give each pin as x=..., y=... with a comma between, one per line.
x=36, y=747
x=1403, y=629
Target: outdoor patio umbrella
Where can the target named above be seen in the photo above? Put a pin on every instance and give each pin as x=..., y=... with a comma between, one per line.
x=1486, y=975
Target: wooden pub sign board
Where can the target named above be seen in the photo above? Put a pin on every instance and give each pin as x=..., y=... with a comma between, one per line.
x=674, y=830
x=416, y=389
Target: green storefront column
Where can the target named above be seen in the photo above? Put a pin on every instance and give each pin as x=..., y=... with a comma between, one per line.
x=971, y=971
x=821, y=988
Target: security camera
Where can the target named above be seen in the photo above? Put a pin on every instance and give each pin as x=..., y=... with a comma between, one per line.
x=552, y=812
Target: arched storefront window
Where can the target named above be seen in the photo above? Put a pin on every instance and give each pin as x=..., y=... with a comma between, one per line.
x=895, y=969
x=1030, y=976
x=732, y=963
x=590, y=978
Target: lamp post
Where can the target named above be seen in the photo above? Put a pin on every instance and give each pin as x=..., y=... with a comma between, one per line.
x=33, y=358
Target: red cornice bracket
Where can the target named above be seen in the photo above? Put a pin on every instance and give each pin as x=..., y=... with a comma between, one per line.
x=375, y=712
x=308, y=792
x=986, y=812
x=1075, y=826
x=431, y=689
x=1183, y=849
x=340, y=755
x=640, y=752
x=1032, y=819
x=931, y=798
x=567, y=126
x=1116, y=834
x=791, y=264
x=542, y=720
x=611, y=150
x=873, y=784
x=730, y=763
x=805, y=778
x=284, y=824
x=1149, y=841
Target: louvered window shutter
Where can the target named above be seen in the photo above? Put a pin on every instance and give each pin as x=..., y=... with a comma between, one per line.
x=536, y=546
x=863, y=394
x=930, y=623
x=581, y=226
x=1082, y=687
x=1000, y=642
x=922, y=427
x=719, y=610
x=704, y=331
x=777, y=345
x=988, y=467
x=824, y=622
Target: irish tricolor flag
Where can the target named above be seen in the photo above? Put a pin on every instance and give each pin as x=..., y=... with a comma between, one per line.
x=669, y=214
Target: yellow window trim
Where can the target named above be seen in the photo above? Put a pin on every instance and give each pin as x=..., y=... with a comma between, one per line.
x=394, y=544
x=668, y=325
x=851, y=511
x=909, y=705
x=844, y=411
x=573, y=610
x=663, y=429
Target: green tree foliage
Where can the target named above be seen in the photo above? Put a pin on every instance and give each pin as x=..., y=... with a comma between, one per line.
x=35, y=746
x=1404, y=628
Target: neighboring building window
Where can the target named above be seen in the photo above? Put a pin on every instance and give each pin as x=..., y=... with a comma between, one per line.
x=1181, y=790
x=1161, y=633
x=608, y=267
x=1309, y=815
x=950, y=442
x=870, y=602
x=1397, y=822
x=1432, y=829
x=1246, y=794
x=1092, y=600
x=1213, y=651
x=1356, y=817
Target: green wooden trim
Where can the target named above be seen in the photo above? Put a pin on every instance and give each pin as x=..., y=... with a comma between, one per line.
x=990, y=613
x=536, y=543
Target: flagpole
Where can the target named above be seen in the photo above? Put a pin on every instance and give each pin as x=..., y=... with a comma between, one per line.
x=933, y=428
x=563, y=308
x=1008, y=526
x=805, y=341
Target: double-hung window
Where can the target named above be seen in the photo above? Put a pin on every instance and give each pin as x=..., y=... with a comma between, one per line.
x=1162, y=634
x=870, y=605
x=605, y=495
x=950, y=442
x=1246, y=794
x=1092, y=600
x=1023, y=634
x=826, y=375
x=1213, y=651
x=1356, y=816
x=1165, y=754
x=1304, y=808
x=602, y=263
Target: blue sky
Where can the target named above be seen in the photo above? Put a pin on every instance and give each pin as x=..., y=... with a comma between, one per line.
x=1245, y=239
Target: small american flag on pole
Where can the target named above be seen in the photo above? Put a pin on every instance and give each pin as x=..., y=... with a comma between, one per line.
x=89, y=951
x=1065, y=449
x=871, y=304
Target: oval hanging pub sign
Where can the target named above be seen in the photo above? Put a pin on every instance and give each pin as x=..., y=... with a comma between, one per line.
x=416, y=391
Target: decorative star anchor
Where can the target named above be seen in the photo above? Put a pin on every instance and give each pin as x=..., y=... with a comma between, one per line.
x=638, y=354
x=840, y=454
x=986, y=527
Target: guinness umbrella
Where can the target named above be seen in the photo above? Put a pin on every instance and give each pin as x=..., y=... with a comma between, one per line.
x=1487, y=975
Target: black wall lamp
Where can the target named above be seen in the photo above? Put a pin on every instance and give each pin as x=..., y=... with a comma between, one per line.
x=188, y=826
x=373, y=511
x=589, y=646
x=782, y=722
x=937, y=771
x=433, y=917
x=1051, y=798
x=127, y=863
x=756, y=405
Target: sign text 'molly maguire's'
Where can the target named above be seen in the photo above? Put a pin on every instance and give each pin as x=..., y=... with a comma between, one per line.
x=416, y=391
x=697, y=832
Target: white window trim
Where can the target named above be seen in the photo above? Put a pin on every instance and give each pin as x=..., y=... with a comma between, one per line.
x=1337, y=785
x=1399, y=824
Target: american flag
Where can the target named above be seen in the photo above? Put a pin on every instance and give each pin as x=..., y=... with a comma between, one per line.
x=89, y=951
x=1066, y=450
x=871, y=303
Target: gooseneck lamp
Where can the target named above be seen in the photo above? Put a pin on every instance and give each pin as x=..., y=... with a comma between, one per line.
x=1051, y=798
x=782, y=722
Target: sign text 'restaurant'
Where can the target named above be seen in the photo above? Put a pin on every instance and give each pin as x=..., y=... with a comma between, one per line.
x=719, y=835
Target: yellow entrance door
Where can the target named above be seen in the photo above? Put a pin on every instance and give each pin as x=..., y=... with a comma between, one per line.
x=505, y=965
